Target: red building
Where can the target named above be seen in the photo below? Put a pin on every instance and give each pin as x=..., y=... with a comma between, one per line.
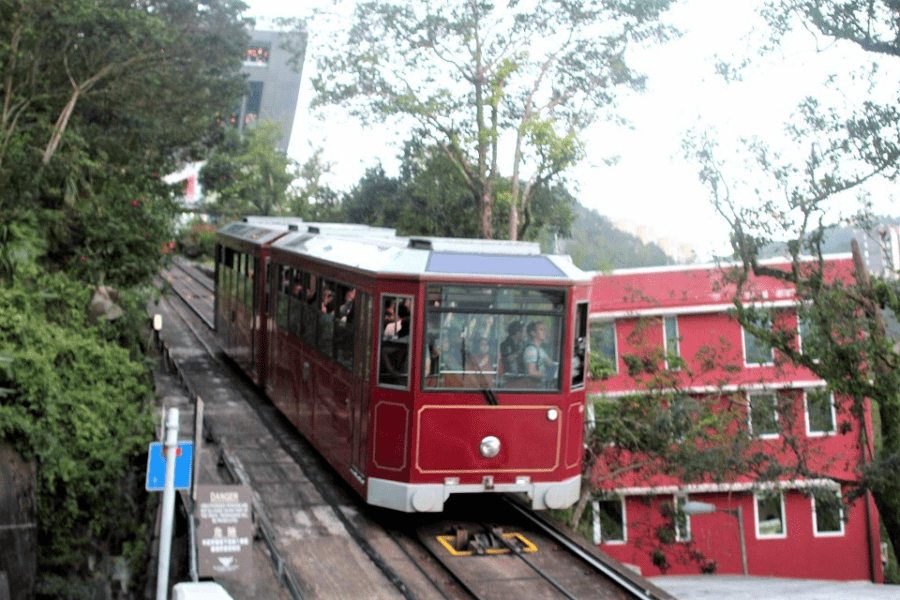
x=681, y=320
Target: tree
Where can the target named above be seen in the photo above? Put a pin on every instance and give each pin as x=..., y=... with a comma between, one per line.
x=475, y=76
x=844, y=342
x=796, y=202
x=94, y=109
x=98, y=99
x=430, y=198
x=246, y=174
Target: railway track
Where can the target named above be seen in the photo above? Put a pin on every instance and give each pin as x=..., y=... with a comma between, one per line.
x=481, y=547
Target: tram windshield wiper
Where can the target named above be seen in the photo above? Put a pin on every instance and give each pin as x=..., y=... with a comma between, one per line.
x=490, y=396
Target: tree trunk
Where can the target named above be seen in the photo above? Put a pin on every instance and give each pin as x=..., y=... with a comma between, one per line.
x=586, y=489
x=884, y=479
x=487, y=212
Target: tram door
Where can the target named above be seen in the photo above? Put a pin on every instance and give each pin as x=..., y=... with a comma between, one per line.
x=359, y=412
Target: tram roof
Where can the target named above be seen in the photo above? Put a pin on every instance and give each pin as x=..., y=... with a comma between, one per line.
x=433, y=256
x=255, y=234
x=298, y=224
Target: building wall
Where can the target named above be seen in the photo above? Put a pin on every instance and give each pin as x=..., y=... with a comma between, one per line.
x=633, y=304
x=274, y=83
x=714, y=543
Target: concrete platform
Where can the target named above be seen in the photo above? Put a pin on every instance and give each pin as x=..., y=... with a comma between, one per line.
x=737, y=587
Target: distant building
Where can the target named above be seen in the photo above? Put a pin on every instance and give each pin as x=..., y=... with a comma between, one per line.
x=793, y=528
x=273, y=63
x=273, y=79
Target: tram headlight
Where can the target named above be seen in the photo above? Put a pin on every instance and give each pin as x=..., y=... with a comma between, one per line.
x=552, y=414
x=489, y=447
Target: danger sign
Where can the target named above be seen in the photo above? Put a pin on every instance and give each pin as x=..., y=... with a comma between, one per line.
x=224, y=529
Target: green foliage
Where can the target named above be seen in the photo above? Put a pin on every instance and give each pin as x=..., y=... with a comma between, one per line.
x=95, y=112
x=599, y=367
x=843, y=148
x=77, y=404
x=198, y=241
x=101, y=99
x=597, y=245
x=247, y=175
x=430, y=197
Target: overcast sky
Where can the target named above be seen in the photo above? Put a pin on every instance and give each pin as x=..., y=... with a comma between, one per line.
x=652, y=189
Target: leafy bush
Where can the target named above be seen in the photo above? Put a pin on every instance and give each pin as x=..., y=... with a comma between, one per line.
x=198, y=241
x=77, y=404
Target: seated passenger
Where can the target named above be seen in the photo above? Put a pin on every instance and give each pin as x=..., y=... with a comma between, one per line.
x=511, y=348
x=538, y=364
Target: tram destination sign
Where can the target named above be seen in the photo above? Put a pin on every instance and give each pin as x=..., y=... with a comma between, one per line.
x=224, y=529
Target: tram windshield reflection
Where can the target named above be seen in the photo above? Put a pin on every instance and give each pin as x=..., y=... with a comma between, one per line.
x=493, y=338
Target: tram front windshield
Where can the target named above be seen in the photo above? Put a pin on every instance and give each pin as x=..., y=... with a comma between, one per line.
x=493, y=338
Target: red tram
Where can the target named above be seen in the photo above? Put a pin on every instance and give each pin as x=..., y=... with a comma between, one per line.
x=418, y=367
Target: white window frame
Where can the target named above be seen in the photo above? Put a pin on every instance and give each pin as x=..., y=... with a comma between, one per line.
x=677, y=344
x=819, y=432
x=680, y=500
x=381, y=338
x=756, y=527
x=598, y=532
x=815, y=522
x=615, y=330
x=763, y=436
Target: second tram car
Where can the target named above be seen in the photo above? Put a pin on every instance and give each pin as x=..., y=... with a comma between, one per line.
x=418, y=367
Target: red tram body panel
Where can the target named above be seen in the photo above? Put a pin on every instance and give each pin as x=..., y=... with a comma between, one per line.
x=420, y=367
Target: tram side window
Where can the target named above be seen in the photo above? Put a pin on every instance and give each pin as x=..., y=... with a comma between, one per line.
x=396, y=323
x=282, y=288
x=325, y=318
x=226, y=272
x=252, y=273
x=579, y=350
x=345, y=305
x=308, y=307
x=242, y=279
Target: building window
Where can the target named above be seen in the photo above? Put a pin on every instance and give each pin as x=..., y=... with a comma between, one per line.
x=609, y=521
x=603, y=344
x=258, y=54
x=254, y=102
x=828, y=513
x=806, y=337
x=756, y=351
x=763, y=414
x=673, y=354
x=820, y=414
x=769, y=510
x=681, y=520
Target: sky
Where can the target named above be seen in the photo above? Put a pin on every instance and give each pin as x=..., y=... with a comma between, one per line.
x=651, y=190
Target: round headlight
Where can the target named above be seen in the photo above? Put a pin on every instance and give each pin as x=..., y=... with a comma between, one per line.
x=489, y=447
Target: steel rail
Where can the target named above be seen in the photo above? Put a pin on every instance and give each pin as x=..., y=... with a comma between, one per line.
x=614, y=574
x=267, y=418
x=181, y=294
